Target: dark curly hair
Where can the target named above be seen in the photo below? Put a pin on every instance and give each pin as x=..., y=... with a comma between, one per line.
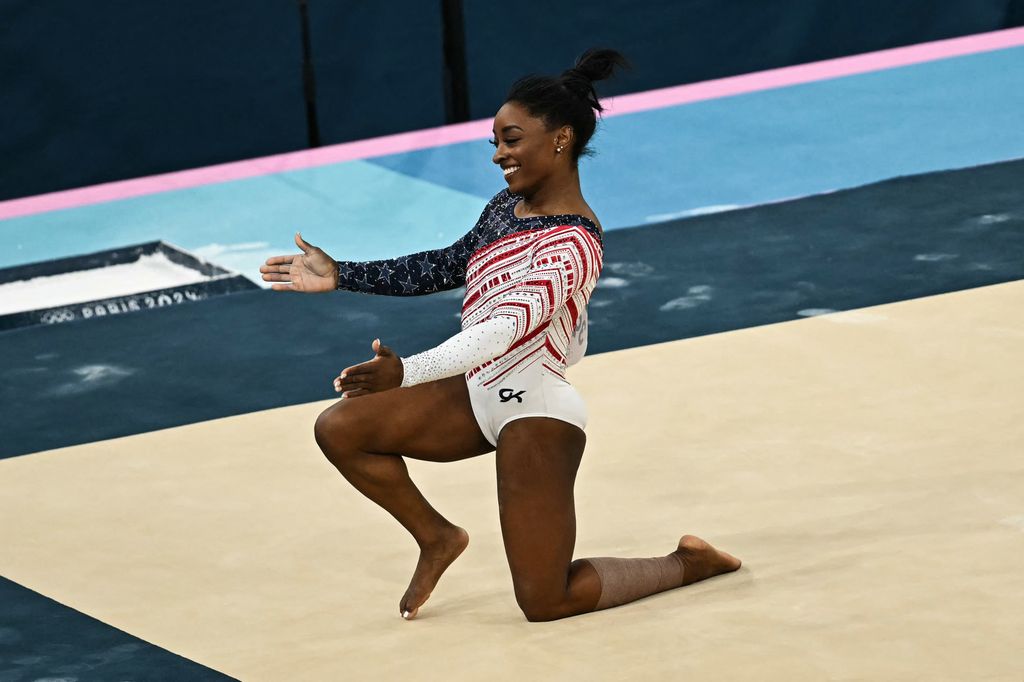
x=569, y=99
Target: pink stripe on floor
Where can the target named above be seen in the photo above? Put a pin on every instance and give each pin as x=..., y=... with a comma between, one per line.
x=816, y=71
x=476, y=130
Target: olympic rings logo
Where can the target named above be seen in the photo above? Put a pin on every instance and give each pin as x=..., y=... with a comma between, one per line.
x=57, y=316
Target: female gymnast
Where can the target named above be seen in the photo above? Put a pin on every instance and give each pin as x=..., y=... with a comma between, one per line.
x=529, y=266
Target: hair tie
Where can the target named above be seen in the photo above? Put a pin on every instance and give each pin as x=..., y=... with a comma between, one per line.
x=579, y=84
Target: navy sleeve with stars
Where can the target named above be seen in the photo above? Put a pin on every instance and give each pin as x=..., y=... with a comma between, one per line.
x=426, y=272
x=417, y=274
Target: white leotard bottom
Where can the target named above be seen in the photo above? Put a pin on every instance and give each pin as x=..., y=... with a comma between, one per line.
x=532, y=391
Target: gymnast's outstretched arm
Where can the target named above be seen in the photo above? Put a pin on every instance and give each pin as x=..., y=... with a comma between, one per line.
x=426, y=272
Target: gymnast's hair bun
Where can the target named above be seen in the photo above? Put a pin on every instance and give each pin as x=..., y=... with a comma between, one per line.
x=596, y=64
x=569, y=99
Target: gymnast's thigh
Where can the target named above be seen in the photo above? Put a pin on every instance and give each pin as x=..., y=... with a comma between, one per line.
x=432, y=421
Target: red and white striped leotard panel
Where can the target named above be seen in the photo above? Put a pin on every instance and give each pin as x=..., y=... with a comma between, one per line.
x=542, y=281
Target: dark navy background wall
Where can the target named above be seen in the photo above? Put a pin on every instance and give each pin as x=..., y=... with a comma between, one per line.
x=99, y=91
x=95, y=92
x=379, y=66
x=686, y=41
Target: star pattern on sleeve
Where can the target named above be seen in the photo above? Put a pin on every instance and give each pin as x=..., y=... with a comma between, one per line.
x=429, y=272
x=426, y=267
x=384, y=272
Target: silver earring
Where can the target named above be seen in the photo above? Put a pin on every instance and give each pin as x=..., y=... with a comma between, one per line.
x=558, y=150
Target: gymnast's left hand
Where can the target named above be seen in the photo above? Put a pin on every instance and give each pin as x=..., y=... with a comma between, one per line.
x=382, y=373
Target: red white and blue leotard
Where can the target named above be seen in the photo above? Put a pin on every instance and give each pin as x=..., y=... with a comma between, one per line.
x=528, y=282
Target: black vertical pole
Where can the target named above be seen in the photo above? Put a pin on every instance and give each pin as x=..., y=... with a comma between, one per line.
x=308, y=80
x=456, y=83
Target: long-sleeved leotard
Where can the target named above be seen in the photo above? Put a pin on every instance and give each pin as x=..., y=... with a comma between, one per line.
x=528, y=281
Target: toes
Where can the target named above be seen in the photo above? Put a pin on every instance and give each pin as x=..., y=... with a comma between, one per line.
x=410, y=606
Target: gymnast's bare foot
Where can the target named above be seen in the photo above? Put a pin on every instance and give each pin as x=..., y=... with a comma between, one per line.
x=702, y=561
x=434, y=559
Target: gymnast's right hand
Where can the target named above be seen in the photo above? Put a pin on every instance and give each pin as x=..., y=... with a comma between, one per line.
x=311, y=271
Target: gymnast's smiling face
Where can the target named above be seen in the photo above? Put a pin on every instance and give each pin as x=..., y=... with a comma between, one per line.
x=525, y=148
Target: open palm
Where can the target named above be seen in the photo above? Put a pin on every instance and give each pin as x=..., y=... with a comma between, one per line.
x=311, y=271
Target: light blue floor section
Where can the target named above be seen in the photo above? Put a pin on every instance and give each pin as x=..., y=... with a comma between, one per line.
x=778, y=144
x=354, y=211
x=651, y=166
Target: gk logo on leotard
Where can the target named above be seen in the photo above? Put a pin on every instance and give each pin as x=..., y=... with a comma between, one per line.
x=507, y=394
